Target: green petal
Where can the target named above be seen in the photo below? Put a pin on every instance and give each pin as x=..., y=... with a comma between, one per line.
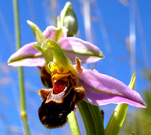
x=59, y=56
x=37, y=32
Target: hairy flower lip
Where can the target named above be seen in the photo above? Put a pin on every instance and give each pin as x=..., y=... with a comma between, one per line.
x=51, y=119
x=55, y=107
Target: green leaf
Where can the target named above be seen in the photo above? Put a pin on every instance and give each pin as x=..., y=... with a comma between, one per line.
x=37, y=32
x=117, y=119
x=132, y=82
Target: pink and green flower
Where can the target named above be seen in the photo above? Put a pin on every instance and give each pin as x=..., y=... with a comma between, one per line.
x=100, y=89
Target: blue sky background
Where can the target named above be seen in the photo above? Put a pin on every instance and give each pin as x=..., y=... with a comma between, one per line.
x=110, y=29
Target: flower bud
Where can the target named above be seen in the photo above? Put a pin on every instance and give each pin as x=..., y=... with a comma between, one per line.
x=68, y=19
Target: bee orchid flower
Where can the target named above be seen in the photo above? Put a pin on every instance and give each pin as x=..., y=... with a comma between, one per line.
x=72, y=84
x=100, y=89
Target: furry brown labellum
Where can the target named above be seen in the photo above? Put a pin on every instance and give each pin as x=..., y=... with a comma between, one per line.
x=59, y=102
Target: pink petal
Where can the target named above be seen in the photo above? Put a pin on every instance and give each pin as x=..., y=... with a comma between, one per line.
x=27, y=56
x=51, y=31
x=85, y=51
x=102, y=89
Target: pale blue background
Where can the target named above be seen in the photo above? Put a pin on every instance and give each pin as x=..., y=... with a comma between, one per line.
x=109, y=19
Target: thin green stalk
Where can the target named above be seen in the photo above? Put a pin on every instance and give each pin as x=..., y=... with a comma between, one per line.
x=20, y=71
x=73, y=124
x=97, y=118
x=87, y=119
x=92, y=118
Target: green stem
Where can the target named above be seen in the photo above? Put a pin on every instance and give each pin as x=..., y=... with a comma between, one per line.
x=97, y=118
x=92, y=118
x=73, y=124
x=87, y=119
x=20, y=71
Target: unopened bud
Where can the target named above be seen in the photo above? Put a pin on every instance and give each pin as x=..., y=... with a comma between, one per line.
x=68, y=19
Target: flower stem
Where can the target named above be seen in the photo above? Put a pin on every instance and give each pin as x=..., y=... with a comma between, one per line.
x=92, y=118
x=20, y=71
x=73, y=124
